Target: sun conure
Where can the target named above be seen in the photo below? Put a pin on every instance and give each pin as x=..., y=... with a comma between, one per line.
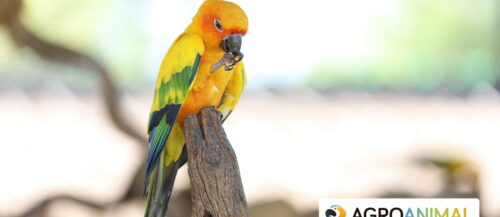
x=202, y=68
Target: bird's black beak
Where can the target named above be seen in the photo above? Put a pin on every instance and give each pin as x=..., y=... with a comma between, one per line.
x=232, y=45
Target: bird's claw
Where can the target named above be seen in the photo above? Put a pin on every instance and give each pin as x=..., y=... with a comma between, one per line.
x=229, y=60
x=237, y=57
x=233, y=60
x=219, y=114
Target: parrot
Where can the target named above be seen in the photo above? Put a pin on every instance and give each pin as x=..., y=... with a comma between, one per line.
x=203, y=67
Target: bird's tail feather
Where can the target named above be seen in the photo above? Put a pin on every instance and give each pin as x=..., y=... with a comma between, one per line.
x=160, y=186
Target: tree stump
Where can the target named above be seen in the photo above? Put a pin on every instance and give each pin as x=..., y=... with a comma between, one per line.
x=217, y=190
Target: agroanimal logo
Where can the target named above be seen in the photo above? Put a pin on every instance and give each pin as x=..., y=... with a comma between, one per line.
x=335, y=211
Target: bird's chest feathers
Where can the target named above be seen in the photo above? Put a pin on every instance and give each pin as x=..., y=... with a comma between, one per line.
x=208, y=86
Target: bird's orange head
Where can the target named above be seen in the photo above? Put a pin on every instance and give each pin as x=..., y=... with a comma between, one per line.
x=221, y=24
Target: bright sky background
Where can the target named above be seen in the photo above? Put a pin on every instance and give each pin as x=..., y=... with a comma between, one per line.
x=285, y=38
x=370, y=45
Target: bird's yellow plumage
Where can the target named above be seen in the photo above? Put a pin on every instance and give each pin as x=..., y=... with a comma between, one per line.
x=202, y=68
x=182, y=53
x=233, y=91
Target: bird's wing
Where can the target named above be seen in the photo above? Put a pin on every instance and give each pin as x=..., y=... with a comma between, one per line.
x=233, y=91
x=177, y=73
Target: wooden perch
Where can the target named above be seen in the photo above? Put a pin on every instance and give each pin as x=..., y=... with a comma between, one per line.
x=217, y=190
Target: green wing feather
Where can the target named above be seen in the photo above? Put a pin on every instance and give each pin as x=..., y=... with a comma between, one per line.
x=177, y=73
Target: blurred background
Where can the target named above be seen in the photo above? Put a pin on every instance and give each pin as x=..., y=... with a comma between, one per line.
x=350, y=99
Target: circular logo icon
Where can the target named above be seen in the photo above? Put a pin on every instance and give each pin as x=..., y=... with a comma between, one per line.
x=335, y=211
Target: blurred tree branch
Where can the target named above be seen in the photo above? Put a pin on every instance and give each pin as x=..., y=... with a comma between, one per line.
x=9, y=17
x=9, y=10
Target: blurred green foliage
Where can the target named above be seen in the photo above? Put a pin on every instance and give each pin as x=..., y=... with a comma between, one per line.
x=435, y=44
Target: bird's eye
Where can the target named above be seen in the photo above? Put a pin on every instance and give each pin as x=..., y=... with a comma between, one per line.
x=218, y=25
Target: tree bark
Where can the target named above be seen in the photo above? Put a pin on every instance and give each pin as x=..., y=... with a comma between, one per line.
x=217, y=190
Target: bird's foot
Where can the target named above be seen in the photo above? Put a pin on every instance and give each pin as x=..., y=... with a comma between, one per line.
x=229, y=60
x=219, y=114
